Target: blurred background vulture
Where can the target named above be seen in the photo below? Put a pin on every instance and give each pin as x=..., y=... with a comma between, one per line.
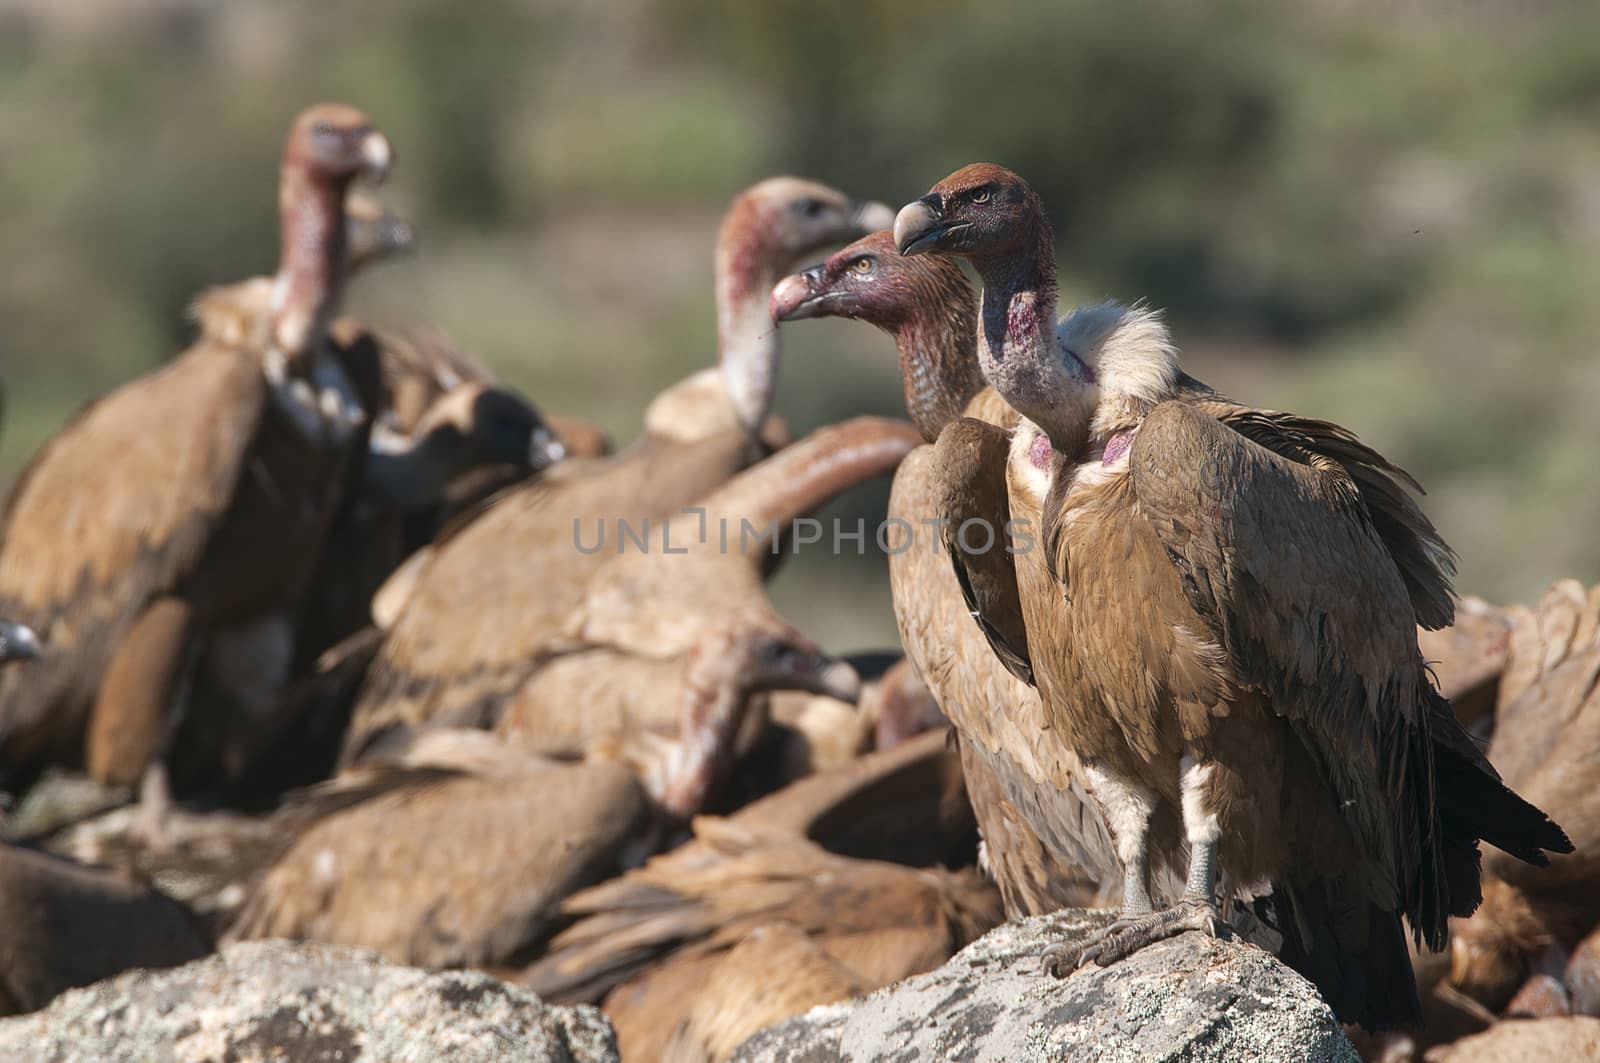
x=171, y=528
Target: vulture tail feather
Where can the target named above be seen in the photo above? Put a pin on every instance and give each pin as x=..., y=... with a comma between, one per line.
x=1358, y=961
x=1475, y=804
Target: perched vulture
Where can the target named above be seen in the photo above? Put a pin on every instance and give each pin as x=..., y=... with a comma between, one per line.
x=662, y=635
x=63, y=925
x=1221, y=616
x=1062, y=855
x=810, y=895
x=1545, y=742
x=173, y=525
x=477, y=613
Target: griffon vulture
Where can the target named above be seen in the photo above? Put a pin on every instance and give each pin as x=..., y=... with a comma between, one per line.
x=1222, y=619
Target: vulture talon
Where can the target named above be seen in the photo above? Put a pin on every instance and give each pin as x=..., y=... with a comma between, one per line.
x=1126, y=936
x=1058, y=961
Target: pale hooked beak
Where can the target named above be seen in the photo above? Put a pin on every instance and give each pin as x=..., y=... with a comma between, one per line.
x=18, y=643
x=873, y=216
x=839, y=680
x=797, y=296
x=920, y=226
x=376, y=156
x=544, y=449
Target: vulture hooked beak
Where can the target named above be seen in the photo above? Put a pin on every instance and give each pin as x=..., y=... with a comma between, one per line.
x=544, y=449
x=920, y=226
x=18, y=643
x=813, y=671
x=800, y=296
x=871, y=215
x=376, y=156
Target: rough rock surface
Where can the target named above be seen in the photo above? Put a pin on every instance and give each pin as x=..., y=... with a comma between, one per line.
x=1192, y=998
x=297, y=1003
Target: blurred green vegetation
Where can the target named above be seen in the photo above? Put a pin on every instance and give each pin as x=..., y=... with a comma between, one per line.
x=1385, y=214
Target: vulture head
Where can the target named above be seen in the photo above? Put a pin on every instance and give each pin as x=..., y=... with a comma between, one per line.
x=768, y=228
x=470, y=426
x=329, y=146
x=869, y=280
x=18, y=643
x=980, y=211
x=925, y=302
x=741, y=655
x=335, y=143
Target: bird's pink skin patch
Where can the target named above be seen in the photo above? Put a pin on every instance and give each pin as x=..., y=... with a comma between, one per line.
x=1116, y=447
x=1039, y=453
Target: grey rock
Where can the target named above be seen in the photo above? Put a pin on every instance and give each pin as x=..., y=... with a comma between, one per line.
x=297, y=1003
x=1192, y=998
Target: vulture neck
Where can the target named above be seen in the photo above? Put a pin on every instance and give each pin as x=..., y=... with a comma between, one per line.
x=1019, y=302
x=1018, y=347
x=802, y=476
x=747, y=340
x=312, y=268
x=713, y=710
x=939, y=368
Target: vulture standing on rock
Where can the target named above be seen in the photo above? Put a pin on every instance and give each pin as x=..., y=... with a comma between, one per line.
x=1222, y=619
x=481, y=608
x=1052, y=859
x=178, y=520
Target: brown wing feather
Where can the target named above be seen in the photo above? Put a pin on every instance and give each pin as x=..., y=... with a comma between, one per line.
x=113, y=511
x=1426, y=562
x=969, y=460
x=1283, y=562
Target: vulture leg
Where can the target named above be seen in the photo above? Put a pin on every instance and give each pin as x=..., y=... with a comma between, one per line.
x=135, y=710
x=1195, y=910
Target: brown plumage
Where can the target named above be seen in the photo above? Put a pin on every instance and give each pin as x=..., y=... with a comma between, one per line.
x=658, y=636
x=1058, y=852
x=205, y=486
x=446, y=435
x=1223, y=625
x=1544, y=742
x=479, y=609
x=63, y=924
x=457, y=854
x=693, y=949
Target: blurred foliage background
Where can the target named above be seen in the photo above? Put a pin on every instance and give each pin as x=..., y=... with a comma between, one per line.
x=1387, y=214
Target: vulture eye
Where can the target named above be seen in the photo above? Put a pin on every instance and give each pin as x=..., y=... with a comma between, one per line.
x=811, y=207
x=322, y=129
x=863, y=265
x=979, y=195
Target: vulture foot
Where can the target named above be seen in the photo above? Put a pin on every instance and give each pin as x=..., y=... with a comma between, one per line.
x=1128, y=935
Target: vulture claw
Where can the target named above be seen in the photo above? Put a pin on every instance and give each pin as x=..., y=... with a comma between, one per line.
x=1126, y=936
